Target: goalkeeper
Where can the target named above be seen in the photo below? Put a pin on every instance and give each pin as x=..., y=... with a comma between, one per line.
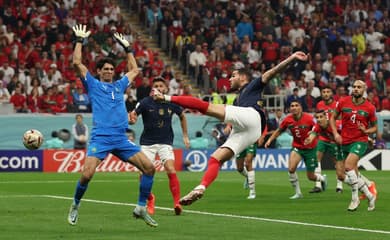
x=110, y=122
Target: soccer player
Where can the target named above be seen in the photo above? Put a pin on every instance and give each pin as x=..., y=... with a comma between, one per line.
x=328, y=104
x=300, y=124
x=110, y=122
x=358, y=120
x=246, y=117
x=245, y=168
x=157, y=136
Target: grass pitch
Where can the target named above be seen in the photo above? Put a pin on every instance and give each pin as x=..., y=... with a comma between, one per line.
x=35, y=206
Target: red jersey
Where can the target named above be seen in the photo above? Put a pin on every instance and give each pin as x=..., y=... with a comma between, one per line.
x=326, y=134
x=300, y=129
x=329, y=109
x=351, y=116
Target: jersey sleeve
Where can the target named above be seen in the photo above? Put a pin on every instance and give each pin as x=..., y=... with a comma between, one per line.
x=139, y=107
x=372, y=116
x=284, y=124
x=177, y=109
x=124, y=82
x=89, y=81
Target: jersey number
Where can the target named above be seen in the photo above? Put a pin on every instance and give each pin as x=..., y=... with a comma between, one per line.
x=353, y=118
x=297, y=133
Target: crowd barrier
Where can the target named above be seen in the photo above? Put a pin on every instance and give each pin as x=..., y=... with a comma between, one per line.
x=71, y=161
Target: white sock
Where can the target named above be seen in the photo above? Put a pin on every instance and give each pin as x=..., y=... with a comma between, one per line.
x=364, y=188
x=339, y=184
x=293, y=177
x=354, y=184
x=319, y=178
x=244, y=172
x=251, y=180
x=317, y=171
x=200, y=187
x=368, y=182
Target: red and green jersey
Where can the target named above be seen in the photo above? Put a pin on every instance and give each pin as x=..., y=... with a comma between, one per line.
x=326, y=134
x=329, y=110
x=300, y=129
x=351, y=116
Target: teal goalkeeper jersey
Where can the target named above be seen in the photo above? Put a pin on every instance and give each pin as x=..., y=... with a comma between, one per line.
x=109, y=114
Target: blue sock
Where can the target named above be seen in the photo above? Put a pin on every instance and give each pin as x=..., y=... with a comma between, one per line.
x=80, y=190
x=145, y=187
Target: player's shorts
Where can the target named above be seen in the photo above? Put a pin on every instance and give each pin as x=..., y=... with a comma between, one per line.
x=251, y=149
x=120, y=146
x=332, y=148
x=246, y=123
x=164, y=151
x=358, y=148
x=309, y=156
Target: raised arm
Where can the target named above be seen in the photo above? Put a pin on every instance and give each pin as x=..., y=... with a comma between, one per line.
x=131, y=62
x=282, y=66
x=183, y=123
x=273, y=136
x=81, y=33
x=332, y=122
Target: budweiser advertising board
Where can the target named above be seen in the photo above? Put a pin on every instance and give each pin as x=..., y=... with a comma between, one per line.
x=73, y=160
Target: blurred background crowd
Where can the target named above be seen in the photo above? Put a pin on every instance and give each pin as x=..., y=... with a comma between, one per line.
x=346, y=40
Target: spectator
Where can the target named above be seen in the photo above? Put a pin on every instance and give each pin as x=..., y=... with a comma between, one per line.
x=197, y=62
x=19, y=101
x=9, y=72
x=80, y=133
x=55, y=142
x=374, y=38
x=293, y=97
x=270, y=50
x=143, y=90
x=4, y=94
x=341, y=63
x=244, y=27
x=34, y=101
x=296, y=32
x=386, y=103
x=199, y=142
x=175, y=85
x=81, y=100
x=308, y=73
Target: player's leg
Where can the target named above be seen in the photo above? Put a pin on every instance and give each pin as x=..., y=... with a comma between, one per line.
x=150, y=152
x=320, y=153
x=168, y=158
x=293, y=162
x=214, y=110
x=241, y=168
x=310, y=158
x=144, y=164
x=88, y=171
x=246, y=124
x=251, y=172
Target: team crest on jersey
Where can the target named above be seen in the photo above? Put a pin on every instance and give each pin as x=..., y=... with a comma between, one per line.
x=93, y=149
x=161, y=111
x=260, y=103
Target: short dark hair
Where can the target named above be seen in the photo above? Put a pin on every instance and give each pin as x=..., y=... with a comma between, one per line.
x=246, y=72
x=160, y=79
x=101, y=62
x=320, y=111
x=296, y=101
x=327, y=87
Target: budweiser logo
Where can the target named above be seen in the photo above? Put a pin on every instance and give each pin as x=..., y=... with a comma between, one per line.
x=73, y=161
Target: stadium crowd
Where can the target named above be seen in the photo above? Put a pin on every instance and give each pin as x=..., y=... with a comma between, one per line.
x=346, y=40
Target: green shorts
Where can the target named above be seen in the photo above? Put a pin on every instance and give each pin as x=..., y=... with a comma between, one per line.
x=332, y=148
x=309, y=156
x=250, y=149
x=358, y=148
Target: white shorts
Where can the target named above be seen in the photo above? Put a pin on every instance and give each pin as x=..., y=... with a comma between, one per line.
x=246, y=123
x=164, y=151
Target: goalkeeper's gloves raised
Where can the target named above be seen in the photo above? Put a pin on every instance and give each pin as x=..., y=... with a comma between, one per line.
x=80, y=31
x=122, y=41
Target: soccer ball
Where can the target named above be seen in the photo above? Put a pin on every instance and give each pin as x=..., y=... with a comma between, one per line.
x=32, y=139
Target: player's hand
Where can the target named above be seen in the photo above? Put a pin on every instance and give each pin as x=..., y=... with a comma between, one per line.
x=300, y=56
x=362, y=127
x=266, y=145
x=80, y=31
x=186, y=141
x=338, y=138
x=307, y=140
x=132, y=117
x=157, y=95
x=122, y=41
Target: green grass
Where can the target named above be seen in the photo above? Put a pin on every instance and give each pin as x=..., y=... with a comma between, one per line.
x=27, y=210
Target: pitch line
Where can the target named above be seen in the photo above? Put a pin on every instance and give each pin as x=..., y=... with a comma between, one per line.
x=223, y=215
